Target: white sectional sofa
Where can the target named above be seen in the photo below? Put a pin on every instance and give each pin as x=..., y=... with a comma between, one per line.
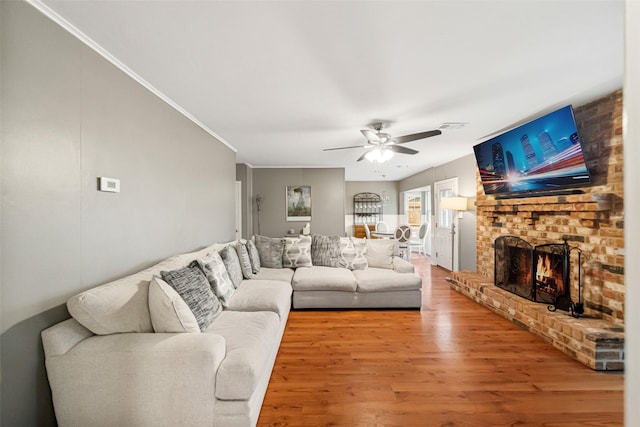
x=376, y=278
x=108, y=365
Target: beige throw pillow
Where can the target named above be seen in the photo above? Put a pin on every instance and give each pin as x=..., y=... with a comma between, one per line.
x=380, y=252
x=169, y=312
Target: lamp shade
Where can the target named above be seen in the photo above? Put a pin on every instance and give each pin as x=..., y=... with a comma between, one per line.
x=454, y=203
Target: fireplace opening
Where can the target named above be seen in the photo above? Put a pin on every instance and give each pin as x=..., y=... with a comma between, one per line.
x=539, y=273
x=514, y=266
x=550, y=266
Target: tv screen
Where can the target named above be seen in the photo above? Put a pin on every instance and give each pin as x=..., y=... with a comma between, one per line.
x=543, y=155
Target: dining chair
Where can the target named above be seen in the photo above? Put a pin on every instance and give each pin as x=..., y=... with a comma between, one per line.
x=403, y=235
x=367, y=232
x=382, y=227
x=419, y=242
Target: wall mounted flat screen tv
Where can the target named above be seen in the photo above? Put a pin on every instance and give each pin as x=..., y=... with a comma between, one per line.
x=541, y=156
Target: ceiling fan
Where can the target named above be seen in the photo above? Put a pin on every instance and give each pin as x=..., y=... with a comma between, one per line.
x=381, y=146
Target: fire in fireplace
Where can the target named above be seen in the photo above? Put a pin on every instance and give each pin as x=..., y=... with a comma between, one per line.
x=539, y=273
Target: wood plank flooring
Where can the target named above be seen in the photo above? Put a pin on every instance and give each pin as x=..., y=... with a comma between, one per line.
x=453, y=363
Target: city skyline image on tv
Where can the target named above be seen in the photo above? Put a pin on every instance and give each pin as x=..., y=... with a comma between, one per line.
x=543, y=154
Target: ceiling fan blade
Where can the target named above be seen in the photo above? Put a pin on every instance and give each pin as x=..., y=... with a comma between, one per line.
x=362, y=157
x=416, y=136
x=402, y=150
x=344, y=148
x=371, y=136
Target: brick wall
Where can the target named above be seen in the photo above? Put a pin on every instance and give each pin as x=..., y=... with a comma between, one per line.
x=592, y=222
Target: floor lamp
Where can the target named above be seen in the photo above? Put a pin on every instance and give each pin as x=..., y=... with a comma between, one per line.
x=458, y=204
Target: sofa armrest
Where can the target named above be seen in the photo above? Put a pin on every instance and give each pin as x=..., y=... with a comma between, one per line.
x=402, y=266
x=63, y=336
x=141, y=379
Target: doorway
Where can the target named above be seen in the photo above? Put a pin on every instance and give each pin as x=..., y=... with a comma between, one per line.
x=238, y=210
x=418, y=210
x=446, y=246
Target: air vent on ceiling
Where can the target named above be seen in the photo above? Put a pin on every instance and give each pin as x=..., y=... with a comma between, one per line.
x=451, y=125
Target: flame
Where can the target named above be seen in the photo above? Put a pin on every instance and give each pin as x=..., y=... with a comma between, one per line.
x=544, y=267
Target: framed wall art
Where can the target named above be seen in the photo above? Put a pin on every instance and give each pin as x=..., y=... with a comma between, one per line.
x=298, y=203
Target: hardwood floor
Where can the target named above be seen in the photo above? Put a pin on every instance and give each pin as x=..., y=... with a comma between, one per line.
x=454, y=363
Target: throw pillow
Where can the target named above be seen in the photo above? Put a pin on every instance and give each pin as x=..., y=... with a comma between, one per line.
x=353, y=253
x=194, y=288
x=297, y=252
x=169, y=313
x=380, y=252
x=216, y=273
x=245, y=262
x=254, y=256
x=232, y=264
x=270, y=251
x=325, y=250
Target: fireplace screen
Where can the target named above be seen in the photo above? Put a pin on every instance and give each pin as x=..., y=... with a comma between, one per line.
x=514, y=266
x=539, y=273
x=551, y=268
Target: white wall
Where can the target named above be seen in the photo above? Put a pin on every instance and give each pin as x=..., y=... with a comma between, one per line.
x=632, y=212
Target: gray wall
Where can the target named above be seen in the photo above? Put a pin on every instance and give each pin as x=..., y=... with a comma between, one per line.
x=327, y=199
x=465, y=170
x=355, y=187
x=69, y=116
x=632, y=208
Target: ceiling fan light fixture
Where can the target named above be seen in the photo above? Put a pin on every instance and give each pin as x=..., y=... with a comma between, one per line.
x=379, y=155
x=385, y=155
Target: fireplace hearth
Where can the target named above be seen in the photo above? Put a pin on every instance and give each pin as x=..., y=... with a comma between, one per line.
x=538, y=273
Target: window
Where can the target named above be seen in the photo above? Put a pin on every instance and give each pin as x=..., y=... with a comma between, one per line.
x=414, y=209
x=445, y=215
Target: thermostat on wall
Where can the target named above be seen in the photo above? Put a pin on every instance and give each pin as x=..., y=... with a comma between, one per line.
x=111, y=185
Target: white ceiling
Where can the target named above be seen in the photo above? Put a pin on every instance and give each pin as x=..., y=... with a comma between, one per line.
x=281, y=80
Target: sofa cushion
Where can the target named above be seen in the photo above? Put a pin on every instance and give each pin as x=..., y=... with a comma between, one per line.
x=380, y=252
x=251, y=337
x=325, y=250
x=232, y=264
x=169, y=313
x=353, y=253
x=382, y=279
x=324, y=278
x=297, y=252
x=270, y=251
x=192, y=285
x=216, y=273
x=280, y=274
x=254, y=256
x=262, y=295
x=245, y=262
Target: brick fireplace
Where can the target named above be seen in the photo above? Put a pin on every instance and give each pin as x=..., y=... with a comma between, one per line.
x=591, y=223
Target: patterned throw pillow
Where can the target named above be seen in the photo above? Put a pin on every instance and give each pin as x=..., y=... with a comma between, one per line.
x=325, y=250
x=270, y=251
x=216, y=273
x=232, y=264
x=353, y=253
x=254, y=256
x=297, y=252
x=245, y=262
x=193, y=287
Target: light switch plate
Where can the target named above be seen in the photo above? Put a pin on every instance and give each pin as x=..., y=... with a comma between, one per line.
x=111, y=185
